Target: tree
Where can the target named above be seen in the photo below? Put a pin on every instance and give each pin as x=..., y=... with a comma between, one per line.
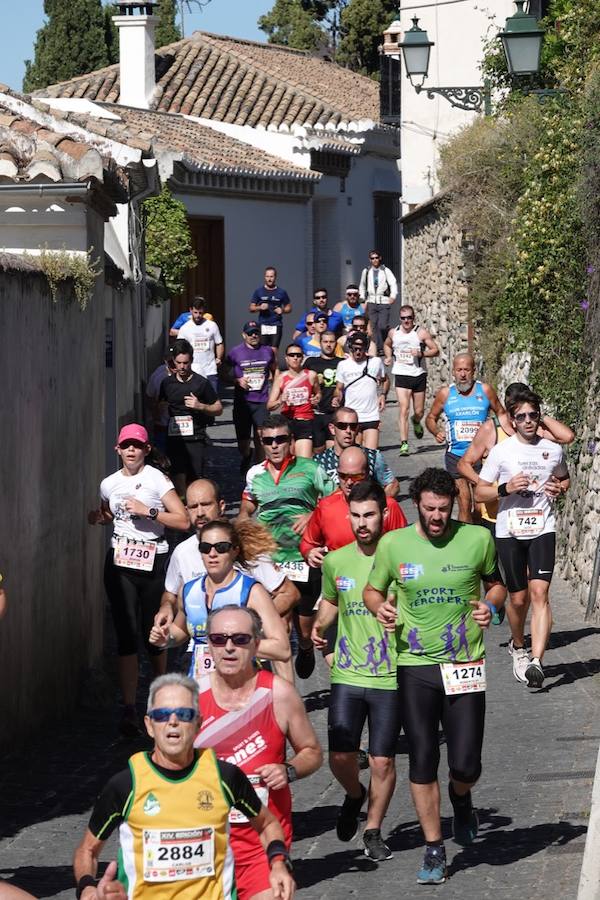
x=72, y=42
x=290, y=24
x=362, y=25
x=167, y=32
x=168, y=240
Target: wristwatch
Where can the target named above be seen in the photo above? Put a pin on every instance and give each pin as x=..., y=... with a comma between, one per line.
x=292, y=775
x=152, y=512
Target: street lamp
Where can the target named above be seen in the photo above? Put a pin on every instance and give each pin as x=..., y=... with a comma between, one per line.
x=522, y=42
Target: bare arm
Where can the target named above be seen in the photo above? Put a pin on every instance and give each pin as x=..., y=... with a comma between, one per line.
x=210, y=409
x=434, y=413
x=382, y=608
x=338, y=394
x=274, y=401
x=275, y=644
x=285, y=597
x=326, y=616
x=269, y=829
x=432, y=348
x=556, y=431
x=484, y=491
x=388, y=348
x=101, y=516
x=219, y=353
x=481, y=444
x=316, y=394
x=293, y=720
x=493, y=398
x=247, y=509
x=85, y=862
x=173, y=515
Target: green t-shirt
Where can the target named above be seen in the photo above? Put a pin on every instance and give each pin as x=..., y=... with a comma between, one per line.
x=299, y=486
x=365, y=654
x=434, y=581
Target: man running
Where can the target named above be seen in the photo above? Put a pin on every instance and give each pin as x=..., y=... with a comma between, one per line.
x=359, y=323
x=350, y=307
x=270, y=303
x=334, y=319
x=343, y=428
x=363, y=674
x=207, y=342
x=283, y=491
x=172, y=807
x=406, y=346
x=325, y=365
x=530, y=472
x=466, y=404
x=436, y=567
x=248, y=716
x=252, y=367
x=363, y=385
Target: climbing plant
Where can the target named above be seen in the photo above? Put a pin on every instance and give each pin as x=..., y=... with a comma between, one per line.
x=168, y=241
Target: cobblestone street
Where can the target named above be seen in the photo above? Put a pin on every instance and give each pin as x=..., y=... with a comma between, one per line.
x=533, y=799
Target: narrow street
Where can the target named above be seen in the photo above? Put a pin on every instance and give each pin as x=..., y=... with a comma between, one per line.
x=533, y=798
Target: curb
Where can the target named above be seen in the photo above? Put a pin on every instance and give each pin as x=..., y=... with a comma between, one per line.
x=589, y=880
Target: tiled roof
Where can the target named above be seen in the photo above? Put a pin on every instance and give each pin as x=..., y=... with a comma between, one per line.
x=243, y=83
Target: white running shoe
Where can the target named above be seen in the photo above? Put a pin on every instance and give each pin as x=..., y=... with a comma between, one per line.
x=535, y=673
x=520, y=658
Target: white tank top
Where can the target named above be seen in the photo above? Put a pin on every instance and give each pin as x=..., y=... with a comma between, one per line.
x=403, y=343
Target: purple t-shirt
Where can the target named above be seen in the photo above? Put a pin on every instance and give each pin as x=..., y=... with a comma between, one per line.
x=254, y=364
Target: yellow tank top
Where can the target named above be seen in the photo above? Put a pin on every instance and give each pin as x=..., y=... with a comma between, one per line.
x=489, y=510
x=174, y=839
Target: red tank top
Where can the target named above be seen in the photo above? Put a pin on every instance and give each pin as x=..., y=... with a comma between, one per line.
x=249, y=738
x=299, y=391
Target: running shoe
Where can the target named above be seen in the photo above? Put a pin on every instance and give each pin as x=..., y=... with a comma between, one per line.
x=520, y=658
x=433, y=870
x=417, y=428
x=305, y=662
x=403, y=451
x=346, y=825
x=465, y=826
x=375, y=846
x=534, y=673
x=498, y=617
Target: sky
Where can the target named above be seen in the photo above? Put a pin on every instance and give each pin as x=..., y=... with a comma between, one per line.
x=234, y=17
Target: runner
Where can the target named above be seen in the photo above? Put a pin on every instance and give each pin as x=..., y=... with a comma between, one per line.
x=530, y=472
x=221, y=545
x=334, y=320
x=312, y=344
x=270, y=303
x=363, y=675
x=363, y=385
x=304, y=339
x=139, y=501
x=343, y=429
x=158, y=414
x=283, y=491
x=205, y=338
x=359, y=323
x=247, y=718
x=466, y=404
x=436, y=568
x=295, y=394
x=252, y=367
x=183, y=318
x=406, y=346
x=172, y=807
x=350, y=307
x=192, y=402
x=379, y=288
x=325, y=365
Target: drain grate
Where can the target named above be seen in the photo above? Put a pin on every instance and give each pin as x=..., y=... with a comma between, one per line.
x=560, y=776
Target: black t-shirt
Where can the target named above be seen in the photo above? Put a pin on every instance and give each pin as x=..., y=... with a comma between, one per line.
x=325, y=369
x=175, y=391
x=110, y=805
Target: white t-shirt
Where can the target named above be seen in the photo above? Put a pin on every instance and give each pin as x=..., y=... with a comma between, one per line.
x=361, y=396
x=530, y=513
x=203, y=338
x=186, y=563
x=149, y=487
x=403, y=344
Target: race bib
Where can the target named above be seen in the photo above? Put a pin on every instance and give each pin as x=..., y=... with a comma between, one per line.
x=181, y=426
x=404, y=357
x=178, y=855
x=138, y=555
x=255, y=380
x=463, y=678
x=268, y=329
x=262, y=791
x=295, y=570
x=466, y=431
x=203, y=661
x=297, y=396
x=525, y=522
x=201, y=344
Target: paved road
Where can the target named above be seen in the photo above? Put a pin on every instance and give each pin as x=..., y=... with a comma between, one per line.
x=534, y=796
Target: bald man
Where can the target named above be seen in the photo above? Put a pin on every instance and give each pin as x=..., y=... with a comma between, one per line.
x=466, y=404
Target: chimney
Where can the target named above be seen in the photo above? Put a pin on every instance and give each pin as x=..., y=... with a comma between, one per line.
x=136, y=24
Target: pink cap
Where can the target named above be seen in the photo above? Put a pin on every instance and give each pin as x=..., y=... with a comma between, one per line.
x=133, y=432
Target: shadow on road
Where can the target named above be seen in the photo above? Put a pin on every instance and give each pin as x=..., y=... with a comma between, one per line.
x=569, y=673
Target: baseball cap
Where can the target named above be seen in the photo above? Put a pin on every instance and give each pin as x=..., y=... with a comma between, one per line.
x=357, y=337
x=321, y=317
x=249, y=327
x=133, y=432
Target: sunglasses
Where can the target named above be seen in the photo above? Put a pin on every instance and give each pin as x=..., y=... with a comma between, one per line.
x=238, y=639
x=529, y=416
x=252, y=333
x=346, y=476
x=352, y=293
x=164, y=713
x=320, y=296
x=358, y=347
x=138, y=445
x=298, y=355
x=344, y=426
x=219, y=546
x=406, y=318
x=360, y=327
x=276, y=439
x=376, y=256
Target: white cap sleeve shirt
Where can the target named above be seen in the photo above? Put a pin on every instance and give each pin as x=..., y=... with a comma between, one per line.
x=539, y=462
x=186, y=564
x=360, y=392
x=203, y=338
x=149, y=487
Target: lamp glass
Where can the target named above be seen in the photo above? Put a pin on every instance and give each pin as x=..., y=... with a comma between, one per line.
x=522, y=52
x=416, y=59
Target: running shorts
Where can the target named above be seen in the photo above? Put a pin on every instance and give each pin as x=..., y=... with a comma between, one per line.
x=415, y=383
x=527, y=559
x=309, y=592
x=302, y=429
x=246, y=416
x=350, y=707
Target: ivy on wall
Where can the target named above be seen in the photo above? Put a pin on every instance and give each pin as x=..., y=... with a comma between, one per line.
x=168, y=241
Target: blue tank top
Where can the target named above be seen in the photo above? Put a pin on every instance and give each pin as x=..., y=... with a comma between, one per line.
x=348, y=312
x=464, y=415
x=196, y=612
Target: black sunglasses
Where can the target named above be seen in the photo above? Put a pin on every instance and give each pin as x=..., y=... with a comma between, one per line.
x=299, y=354
x=238, y=639
x=344, y=426
x=164, y=713
x=139, y=445
x=406, y=318
x=276, y=439
x=219, y=546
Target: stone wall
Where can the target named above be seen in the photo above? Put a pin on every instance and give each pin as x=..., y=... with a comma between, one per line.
x=435, y=282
